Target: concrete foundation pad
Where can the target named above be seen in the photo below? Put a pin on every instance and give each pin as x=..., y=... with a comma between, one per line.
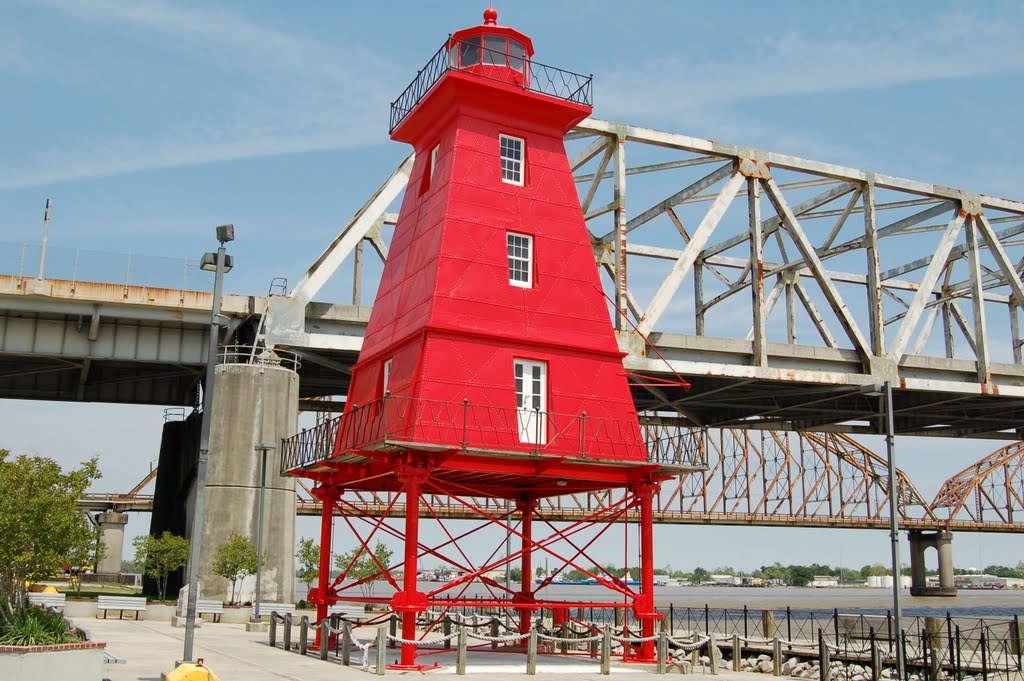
x=179, y=621
x=257, y=626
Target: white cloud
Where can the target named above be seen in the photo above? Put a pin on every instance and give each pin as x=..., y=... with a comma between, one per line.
x=242, y=90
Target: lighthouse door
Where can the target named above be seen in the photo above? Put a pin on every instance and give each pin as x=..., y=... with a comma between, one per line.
x=531, y=400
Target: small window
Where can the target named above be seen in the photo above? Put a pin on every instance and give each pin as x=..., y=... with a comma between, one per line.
x=386, y=377
x=511, y=159
x=494, y=49
x=433, y=161
x=469, y=52
x=516, y=53
x=520, y=259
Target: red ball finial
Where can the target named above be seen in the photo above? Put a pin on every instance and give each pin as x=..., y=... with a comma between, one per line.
x=490, y=17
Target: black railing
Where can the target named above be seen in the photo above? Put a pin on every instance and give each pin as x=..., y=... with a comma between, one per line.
x=401, y=421
x=529, y=75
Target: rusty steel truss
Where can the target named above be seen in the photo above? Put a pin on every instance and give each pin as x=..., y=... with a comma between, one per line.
x=754, y=478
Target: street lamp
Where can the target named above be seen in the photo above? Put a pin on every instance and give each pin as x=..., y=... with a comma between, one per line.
x=884, y=391
x=219, y=263
x=263, y=448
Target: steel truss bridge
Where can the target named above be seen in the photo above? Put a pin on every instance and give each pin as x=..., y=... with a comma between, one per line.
x=779, y=287
x=754, y=478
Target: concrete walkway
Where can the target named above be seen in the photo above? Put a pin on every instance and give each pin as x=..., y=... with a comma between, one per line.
x=151, y=648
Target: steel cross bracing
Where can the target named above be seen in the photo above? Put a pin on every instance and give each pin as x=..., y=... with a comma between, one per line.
x=777, y=285
x=755, y=478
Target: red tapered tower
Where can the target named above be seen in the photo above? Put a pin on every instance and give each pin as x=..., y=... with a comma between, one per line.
x=489, y=367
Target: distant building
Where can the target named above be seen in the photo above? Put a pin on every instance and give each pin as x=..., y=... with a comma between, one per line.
x=976, y=581
x=824, y=581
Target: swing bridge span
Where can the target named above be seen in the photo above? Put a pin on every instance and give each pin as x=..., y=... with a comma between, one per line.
x=752, y=478
x=780, y=288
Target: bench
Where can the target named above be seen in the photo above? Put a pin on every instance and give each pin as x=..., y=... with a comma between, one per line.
x=120, y=603
x=353, y=612
x=280, y=608
x=212, y=607
x=46, y=600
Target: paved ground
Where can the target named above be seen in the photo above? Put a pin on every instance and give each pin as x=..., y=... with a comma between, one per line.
x=151, y=648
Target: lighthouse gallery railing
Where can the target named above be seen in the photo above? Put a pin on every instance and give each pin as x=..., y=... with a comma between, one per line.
x=461, y=425
x=535, y=77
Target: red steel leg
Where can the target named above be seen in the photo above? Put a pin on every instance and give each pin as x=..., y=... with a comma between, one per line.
x=327, y=495
x=410, y=602
x=644, y=604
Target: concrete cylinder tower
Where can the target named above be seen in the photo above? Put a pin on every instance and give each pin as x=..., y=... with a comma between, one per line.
x=253, y=404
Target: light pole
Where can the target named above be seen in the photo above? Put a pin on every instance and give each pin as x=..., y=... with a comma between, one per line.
x=219, y=263
x=885, y=392
x=263, y=448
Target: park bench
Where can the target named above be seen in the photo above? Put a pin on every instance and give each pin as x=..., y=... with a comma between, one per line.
x=120, y=603
x=353, y=612
x=280, y=608
x=211, y=607
x=46, y=600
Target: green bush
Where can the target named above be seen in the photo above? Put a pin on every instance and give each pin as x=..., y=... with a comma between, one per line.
x=34, y=626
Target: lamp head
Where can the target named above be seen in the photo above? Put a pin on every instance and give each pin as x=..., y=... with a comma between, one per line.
x=225, y=233
x=208, y=262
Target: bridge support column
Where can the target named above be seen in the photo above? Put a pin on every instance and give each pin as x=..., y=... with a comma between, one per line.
x=942, y=542
x=253, y=404
x=112, y=538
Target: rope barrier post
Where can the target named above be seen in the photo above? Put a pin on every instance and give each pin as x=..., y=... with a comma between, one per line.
x=594, y=647
x=776, y=656
x=662, y=652
x=494, y=632
x=714, y=654
x=768, y=623
x=382, y=651
x=303, y=634
x=460, y=654
x=531, y=653
x=823, y=657
x=393, y=627
x=287, y=632
x=273, y=630
x=737, y=653
x=606, y=651
x=563, y=633
x=446, y=627
x=325, y=632
x=346, y=643
x=695, y=653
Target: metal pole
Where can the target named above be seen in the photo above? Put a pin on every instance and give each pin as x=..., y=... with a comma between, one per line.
x=46, y=232
x=894, y=528
x=204, y=451
x=262, y=447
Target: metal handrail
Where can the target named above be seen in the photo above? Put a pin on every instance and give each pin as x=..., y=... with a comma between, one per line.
x=536, y=77
x=394, y=421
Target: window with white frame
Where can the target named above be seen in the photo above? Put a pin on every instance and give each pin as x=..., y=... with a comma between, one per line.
x=520, y=259
x=386, y=378
x=511, y=159
x=433, y=160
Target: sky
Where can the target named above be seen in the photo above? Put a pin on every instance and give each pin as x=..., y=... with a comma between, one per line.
x=149, y=123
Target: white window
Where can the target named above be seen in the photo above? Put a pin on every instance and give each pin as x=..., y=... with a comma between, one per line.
x=531, y=400
x=511, y=159
x=387, y=376
x=433, y=161
x=520, y=259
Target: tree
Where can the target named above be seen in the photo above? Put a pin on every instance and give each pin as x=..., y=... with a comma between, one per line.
x=700, y=575
x=359, y=565
x=515, y=575
x=40, y=524
x=234, y=560
x=309, y=561
x=800, y=575
x=86, y=555
x=160, y=556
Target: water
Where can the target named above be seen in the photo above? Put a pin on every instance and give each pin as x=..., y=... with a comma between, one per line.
x=867, y=601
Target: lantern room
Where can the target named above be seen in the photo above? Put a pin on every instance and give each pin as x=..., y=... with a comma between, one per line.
x=492, y=51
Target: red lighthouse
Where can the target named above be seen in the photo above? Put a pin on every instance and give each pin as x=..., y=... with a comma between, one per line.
x=489, y=368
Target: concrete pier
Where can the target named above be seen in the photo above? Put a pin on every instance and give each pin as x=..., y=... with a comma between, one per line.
x=112, y=538
x=942, y=542
x=253, y=403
